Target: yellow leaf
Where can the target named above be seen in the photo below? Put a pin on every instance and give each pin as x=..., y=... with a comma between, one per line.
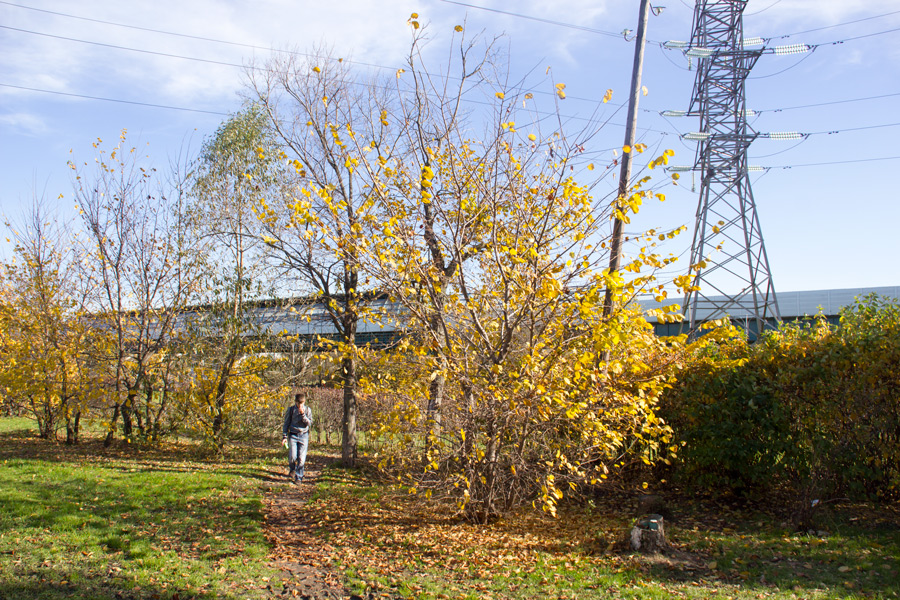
x=414, y=16
x=529, y=96
x=317, y=69
x=607, y=96
x=400, y=72
x=644, y=90
x=645, y=485
x=559, y=90
x=415, y=24
x=500, y=95
x=590, y=167
x=458, y=28
x=532, y=137
x=626, y=149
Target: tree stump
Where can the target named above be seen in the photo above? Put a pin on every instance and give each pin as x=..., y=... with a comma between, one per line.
x=649, y=535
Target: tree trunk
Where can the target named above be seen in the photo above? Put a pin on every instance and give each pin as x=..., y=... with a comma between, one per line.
x=218, y=424
x=111, y=429
x=435, y=400
x=72, y=429
x=127, y=426
x=348, y=429
x=469, y=399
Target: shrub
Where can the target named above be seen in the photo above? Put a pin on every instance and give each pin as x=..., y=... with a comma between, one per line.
x=811, y=405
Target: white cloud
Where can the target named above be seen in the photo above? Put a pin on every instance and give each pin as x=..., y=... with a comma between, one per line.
x=24, y=124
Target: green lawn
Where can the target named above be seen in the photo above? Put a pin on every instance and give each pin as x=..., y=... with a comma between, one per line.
x=84, y=522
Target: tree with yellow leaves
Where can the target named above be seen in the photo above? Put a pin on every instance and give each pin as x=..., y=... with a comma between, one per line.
x=50, y=347
x=327, y=122
x=496, y=253
x=138, y=261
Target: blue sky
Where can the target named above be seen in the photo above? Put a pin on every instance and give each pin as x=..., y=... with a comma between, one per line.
x=828, y=209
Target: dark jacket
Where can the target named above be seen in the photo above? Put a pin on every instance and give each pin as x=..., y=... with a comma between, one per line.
x=296, y=422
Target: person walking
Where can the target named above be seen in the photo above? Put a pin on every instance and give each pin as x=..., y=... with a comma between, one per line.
x=295, y=435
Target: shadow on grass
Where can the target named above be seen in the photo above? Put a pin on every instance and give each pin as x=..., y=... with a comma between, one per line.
x=50, y=585
x=851, y=555
x=26, y=445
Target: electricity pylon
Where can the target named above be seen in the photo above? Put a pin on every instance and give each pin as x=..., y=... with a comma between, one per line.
x=728, y=253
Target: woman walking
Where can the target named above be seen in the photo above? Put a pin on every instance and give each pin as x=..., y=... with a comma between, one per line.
x=295, y=435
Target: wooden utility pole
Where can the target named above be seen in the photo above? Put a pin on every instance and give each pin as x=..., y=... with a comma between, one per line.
x=630, y=125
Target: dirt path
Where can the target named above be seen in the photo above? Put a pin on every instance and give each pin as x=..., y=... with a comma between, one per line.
x=302, y=573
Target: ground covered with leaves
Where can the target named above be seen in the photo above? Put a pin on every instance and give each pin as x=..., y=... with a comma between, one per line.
x=389, y=544
x=161, y=523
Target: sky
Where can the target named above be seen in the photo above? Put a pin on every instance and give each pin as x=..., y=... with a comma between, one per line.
x=170, y=71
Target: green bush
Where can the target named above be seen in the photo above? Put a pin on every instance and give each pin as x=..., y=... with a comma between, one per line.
x=811, y=405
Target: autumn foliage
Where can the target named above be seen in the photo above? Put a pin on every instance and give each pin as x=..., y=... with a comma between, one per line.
x=812, y=406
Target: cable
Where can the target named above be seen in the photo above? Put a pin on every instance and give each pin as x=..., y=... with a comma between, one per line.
x=121, y=101
x=196, y=110
x=807, y=134
x=185, y=35
x=762, y=10
x=796, y=64
x=231, y=43
x=539, y=19
x=837, y=162
x=787, y=35
x=68, y=39
x=840, y=162
x=228, y=64
x=812, y=47
x=829, y=103
x=858, y=37
x=780, y=151
x=833, y=131
x=675, y=64
x=776, y=110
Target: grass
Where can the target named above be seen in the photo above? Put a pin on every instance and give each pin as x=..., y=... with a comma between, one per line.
x=159, y=523
x=84, y=522
x=394, y=544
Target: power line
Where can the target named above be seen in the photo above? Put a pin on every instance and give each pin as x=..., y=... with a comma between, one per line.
x=839, y=162
x=176, y=34
x=853, y=129
x=817, y=164
x=796, y=64
x=787, y=35
x=774, y=50
x=228, y=64
x=115, y=47
x=539, y=19
x=828, y=103
x=813, y=105
x=857, y=37
x=182, y=108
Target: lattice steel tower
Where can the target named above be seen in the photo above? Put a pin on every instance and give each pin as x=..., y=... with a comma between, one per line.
x=734, y=277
